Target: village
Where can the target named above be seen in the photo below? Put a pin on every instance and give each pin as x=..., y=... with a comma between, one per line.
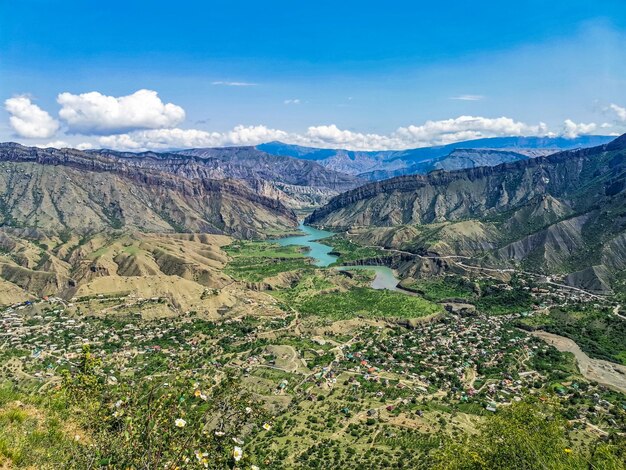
x=469, y=363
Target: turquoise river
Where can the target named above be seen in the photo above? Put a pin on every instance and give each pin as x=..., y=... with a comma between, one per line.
x=321, y=254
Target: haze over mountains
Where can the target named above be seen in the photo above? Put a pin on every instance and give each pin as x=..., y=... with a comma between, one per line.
x=379, y=165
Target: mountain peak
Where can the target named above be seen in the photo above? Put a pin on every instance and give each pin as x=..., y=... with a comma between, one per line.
x=618, y=144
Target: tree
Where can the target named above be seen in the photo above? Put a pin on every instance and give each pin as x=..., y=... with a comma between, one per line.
x=522, y=436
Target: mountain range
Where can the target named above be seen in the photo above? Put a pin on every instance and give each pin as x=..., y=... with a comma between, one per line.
x=68, y=190
x=562, y=213
x=558, y=213
x=379, y=165
x=297, y=183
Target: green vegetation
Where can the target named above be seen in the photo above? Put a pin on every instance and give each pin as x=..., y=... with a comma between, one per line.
x=597, y=331
x=34, y=432
x=503, y=299
x=348, y=251
x=444, y=288
x=525, y=435
x=167, y=423
x=487, y=295
x=366, y=302
x=254, y=261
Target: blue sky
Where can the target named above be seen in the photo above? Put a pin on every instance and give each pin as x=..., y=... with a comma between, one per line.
x=333, y=74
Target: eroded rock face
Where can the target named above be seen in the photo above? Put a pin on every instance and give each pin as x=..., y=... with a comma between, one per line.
x=297, y=183
x=55, y=190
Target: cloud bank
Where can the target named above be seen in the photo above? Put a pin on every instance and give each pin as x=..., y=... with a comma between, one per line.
x=142, y=121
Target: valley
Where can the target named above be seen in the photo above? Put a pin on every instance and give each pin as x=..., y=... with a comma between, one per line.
x=244, y=235
x=307, y=347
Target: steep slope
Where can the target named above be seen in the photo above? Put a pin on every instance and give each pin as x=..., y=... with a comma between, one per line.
x=560, y=213
x=379, y=165
x=62, y=191
x=298, y=183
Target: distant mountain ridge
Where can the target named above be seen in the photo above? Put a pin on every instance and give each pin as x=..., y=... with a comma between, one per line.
x=297, y=183
x=379, y=165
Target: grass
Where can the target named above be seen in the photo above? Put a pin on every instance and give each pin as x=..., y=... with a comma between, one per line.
x=131, y=250
x=255, y=261
x=33, y=433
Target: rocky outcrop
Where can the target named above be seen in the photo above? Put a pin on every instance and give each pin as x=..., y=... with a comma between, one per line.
x=475, y=192
x=459, y=159
x=595, y=278
x=297, y=183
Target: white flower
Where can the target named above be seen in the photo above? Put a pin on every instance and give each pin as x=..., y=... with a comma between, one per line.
x=180, y=423
x=237, y=453
x=267, y=426
x=236, y=440
x=219, y=433
x=248, y=410
x=118, y=403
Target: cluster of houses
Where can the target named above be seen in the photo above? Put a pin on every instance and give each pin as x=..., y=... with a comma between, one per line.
x=467, y=358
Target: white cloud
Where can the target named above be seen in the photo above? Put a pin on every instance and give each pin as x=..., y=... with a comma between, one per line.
x=61, y=144
x=95, y=113
x=142, y=121
x=223, y=83
x=57, y=144
x=185, y=138
x=330, y=136
x=29, y=120
x=465, y=128
x=468, y=97
x=430, y=133
x=572, y=129
x=619, y=111
x=252, y=135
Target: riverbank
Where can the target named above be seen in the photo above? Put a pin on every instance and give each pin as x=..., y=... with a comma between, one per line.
x=385, y=278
